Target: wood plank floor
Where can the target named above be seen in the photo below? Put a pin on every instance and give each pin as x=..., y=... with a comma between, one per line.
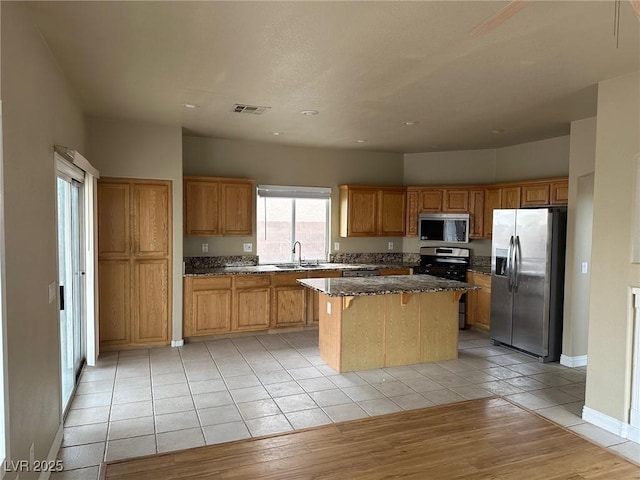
x=488, y=438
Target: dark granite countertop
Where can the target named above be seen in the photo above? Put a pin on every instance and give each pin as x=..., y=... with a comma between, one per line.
x=480, y=269
x=385, y=285
x=289, y=268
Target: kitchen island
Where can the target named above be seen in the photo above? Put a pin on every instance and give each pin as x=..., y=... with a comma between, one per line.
x=374, y=322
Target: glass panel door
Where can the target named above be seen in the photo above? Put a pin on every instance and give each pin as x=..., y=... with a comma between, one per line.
x=71, y=282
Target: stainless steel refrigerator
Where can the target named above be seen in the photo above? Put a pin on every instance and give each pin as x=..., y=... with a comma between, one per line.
x=527, y=280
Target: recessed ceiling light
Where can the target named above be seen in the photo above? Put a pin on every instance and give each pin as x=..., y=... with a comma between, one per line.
x=361, y=140
x=308, y=113
x=408, y=124
x=276, y=133
x=497, y=131
x=191, y=105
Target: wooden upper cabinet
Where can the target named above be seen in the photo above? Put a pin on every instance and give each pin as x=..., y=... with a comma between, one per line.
x=201, y=207
x=151, y=222
x=476, y=213
x=456, y=201
x=559, y=192
x=411, y=222
x=218, y=206
x=492, y=201
x=372, y=211
x=358, y=211
x=535, y=194
x=114, y=220
x=430, y=200
x=510, y=197
x=391, y=212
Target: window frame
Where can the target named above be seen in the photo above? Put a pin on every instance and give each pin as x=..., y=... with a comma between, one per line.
x=295, y=193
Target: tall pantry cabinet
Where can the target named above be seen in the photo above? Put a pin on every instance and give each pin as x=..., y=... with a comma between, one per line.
x=134, y=262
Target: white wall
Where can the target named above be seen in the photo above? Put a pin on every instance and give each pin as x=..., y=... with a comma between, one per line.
x=612, y=272
x=126, y=148
x=529, y=161
x=268, y=163
x=39, y=110
x=579, y=233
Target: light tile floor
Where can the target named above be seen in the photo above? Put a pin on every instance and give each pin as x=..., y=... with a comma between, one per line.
x=141, y=402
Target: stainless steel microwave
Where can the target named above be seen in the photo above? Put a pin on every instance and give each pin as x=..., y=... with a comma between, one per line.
x=444, y=227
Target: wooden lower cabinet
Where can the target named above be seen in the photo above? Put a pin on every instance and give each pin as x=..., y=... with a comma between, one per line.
x=289, y=301
x=151, y=302
x=479, y=301
x=114, y=277
x=207, y=305
x=251, y=302
x=395, y=271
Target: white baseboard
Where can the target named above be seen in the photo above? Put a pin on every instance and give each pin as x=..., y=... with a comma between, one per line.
x=53, y=452
x=177, y=343
x=633, y=434
x=605, y=422
x=578, y=361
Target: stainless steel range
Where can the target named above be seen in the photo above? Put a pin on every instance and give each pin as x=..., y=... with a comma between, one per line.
x=449, y=263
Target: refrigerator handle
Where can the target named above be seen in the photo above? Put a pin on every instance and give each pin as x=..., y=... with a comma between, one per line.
x=510, y=264
x=516, y=262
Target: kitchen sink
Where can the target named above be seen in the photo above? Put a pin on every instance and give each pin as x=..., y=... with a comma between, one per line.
x=287, y=266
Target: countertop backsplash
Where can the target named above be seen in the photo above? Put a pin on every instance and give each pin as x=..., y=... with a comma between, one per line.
x=202, y=263
x=481, y=261
x=376, y=258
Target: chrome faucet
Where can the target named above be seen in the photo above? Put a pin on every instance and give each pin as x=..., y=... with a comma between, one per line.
x=299, y=251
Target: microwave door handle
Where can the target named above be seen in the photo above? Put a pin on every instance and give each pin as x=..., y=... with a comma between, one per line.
x=510, y=264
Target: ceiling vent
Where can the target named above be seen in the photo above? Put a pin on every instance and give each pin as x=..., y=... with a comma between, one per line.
x=251, y=109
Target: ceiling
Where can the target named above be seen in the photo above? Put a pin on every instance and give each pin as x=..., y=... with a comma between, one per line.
x=366, y=67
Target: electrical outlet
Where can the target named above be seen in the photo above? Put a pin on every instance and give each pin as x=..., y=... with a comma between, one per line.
x=247, y=247
x=585, y=267
x=205, y=247
x=390, y=245
x=336, y=246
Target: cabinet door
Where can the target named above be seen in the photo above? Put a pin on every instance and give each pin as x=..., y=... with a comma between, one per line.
x=559, y=192
x=201, y=208
x=151, y=302
x=251, y=302
x=476, y=213
x=481, y=300
x=456, y=201
x=492, y=200
x=510, y=197
x=114, y=277
x=431, y=200
x=289, y=306
x=395, y=271
x=411, y=223
x=237, y=201
x=151, y=219
x=207, y=306
x=391, y=208
x=535, y=195
x=361, y=215
x=252, y=309
x=114, y=220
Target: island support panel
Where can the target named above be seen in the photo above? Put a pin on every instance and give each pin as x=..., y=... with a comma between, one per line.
x=365, y=332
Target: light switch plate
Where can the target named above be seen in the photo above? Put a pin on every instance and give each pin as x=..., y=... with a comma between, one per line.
x=53, y=287
x=328, y=308
x=247, y=247
x=336, y=246
x=390, y=245
x=585, y=267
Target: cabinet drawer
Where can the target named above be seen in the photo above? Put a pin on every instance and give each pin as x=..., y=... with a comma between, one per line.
x=211, y=283
x=252, y=281
x=287, y=279
x=480, y=280
x=325, y=274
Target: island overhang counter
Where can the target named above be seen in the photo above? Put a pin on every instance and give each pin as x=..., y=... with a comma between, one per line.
x=374, y=322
